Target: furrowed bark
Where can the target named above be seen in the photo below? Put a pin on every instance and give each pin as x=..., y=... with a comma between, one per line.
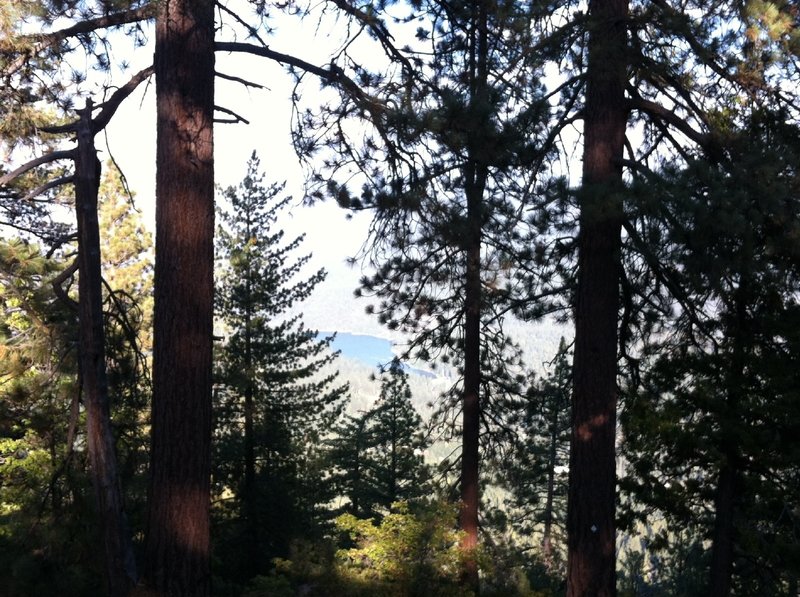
x=178, y=546
x=592, y=482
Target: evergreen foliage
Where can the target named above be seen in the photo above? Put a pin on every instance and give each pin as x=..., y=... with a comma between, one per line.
x=378, y=456
x=276, y=396
x=536, y=472
x=49, y=533
x=708, y=431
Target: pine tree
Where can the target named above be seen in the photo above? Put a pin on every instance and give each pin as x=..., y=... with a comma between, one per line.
x=706, y=430
x=277, y=395
x=447, y=169
x=397, y=442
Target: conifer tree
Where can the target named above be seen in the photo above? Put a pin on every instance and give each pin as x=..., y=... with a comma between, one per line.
x=377, y=456
x=535, y=472
x=706, y=428
x=447, y=169
x=348, y=456
x=277, y=395
x=395, y=435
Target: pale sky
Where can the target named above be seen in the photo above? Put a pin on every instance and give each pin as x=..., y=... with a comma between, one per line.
x=330, y=236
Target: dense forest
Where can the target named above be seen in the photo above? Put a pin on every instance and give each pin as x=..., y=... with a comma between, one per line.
x=628, y=169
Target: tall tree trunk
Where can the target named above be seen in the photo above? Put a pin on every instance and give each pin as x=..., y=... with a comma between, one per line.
x=475, y=175
x=250, y=498
x=725, y=500
x=722, y=541
x=393, y=461
x=547, y=545
x=118, y=549
x=592, y=482
x=470, y=484
x=178, y=561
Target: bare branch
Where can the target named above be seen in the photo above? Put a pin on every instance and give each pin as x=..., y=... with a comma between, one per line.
x=53, y=156
x=109, y=107
x=250, y=29
x=379, y=30
x=236, y=117
x=244, y=82
x=60, y=279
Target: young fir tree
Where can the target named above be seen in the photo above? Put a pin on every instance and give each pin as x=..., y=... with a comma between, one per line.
x=276, y=395
x=378, y=455
x=348, y=453
x=397, y=465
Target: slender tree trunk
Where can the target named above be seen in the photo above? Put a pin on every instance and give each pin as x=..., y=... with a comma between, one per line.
x=547, y=546
x=722, y=542
x=118, y=549
x=250, y=498
x=470, y=485
x=475, y=175
x=725, y=499
x=178, y=547
x=393, y=460
x=592, y=482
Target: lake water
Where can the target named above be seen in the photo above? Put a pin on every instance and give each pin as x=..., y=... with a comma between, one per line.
x=370, y=350
x=367, y=349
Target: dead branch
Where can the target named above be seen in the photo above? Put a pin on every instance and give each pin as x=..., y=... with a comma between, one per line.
x=109, y=107
x=44, y=159
x=244, y=82
x=236, y=117
x=59, y=290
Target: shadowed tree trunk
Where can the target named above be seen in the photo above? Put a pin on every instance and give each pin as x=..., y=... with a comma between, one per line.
x=475, y=176
x=470, y=483
x=177, y=551
x=590, y=511
x=725, y=498
x=547, y=544
x=118, y=549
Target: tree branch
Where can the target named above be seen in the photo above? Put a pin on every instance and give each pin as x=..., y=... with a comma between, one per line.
x=668, y=116
x=330, y=75
x=109, y=107
x=60, y=279
x=236, y=117
x=244, y=82
x=47, y=186
x=46, y=158
x=143, y=13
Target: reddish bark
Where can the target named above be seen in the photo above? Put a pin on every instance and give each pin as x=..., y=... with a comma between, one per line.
x=178, y=548
x=475, y=176
x=592, y=483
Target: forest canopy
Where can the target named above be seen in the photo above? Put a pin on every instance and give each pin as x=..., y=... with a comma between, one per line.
x=628, y=170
